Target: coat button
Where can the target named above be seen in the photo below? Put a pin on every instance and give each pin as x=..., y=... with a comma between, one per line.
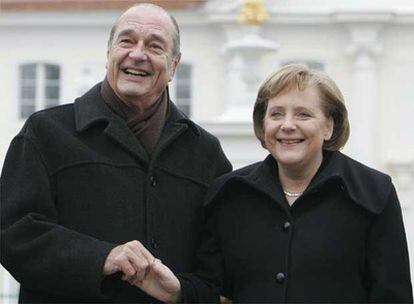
x=286, y=226
x=280, y=277
x=153, y=181
x=154, y=244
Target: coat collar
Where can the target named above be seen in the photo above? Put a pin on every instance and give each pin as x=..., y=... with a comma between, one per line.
x=260, y=176
x=366, y=187
x=90, y=109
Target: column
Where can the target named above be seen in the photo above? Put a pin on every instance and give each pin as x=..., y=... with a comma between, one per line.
x=244, y=72
x=364, y=105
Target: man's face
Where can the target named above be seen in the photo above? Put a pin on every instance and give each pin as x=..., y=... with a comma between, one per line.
x=140, y=60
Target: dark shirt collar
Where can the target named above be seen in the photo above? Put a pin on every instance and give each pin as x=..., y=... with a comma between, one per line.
x=127, y=113
x=113, y=101
x=146, y=126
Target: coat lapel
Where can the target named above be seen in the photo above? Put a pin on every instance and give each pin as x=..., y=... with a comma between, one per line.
x=260, y=177
x=264, y=178
x=120, y=133
x=175, y=125
x=91, y=109
x=365, y=186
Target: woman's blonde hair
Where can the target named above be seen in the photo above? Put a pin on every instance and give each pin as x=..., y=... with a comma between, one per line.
x=296, y=76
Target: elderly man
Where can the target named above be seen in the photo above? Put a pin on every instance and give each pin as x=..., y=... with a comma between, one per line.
x=92, y=191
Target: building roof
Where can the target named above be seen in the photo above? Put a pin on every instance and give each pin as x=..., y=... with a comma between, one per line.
x=92, y=4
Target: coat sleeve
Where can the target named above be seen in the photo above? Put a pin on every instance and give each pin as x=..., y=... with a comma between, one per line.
x=387, y=256
x=41, y=254
x=206, y=284
x=221, y=163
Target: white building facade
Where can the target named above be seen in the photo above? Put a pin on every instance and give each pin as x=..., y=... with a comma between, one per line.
x=51, y=56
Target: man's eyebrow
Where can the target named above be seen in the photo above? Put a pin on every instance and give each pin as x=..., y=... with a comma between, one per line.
x=157, y=37
x=126, y=32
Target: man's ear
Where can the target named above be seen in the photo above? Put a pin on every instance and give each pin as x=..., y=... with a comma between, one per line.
x=174, y=66
x=107, y=58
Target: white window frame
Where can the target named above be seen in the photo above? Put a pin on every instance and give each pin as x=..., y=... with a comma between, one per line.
x=40, y=101
x=186, y=82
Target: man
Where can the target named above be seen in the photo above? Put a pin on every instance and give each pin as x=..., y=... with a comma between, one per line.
x=92, y=191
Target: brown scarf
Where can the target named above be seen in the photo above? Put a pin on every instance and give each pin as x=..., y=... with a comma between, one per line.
x=146, y=126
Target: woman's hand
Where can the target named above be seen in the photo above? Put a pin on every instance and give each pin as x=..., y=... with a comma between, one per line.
x=160, y=283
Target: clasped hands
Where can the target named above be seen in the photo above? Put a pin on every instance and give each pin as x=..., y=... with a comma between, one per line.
x=142, y=269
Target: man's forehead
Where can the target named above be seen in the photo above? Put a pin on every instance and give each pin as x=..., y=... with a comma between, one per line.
x=146, y=17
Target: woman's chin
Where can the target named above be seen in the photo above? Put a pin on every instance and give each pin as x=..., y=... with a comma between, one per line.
x=289, y=161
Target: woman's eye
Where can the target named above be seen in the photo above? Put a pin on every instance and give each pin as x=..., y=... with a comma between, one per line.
x=304, y=115
x=276, y=114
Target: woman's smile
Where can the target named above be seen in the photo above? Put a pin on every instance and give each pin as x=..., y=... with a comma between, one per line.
x=296, y=127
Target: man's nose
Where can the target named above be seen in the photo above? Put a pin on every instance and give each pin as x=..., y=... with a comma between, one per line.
x=138, y=52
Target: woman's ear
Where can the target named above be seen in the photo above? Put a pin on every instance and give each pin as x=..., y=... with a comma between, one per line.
x=329, y=129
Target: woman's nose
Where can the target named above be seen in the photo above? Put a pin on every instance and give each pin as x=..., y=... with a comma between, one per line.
x=288, y=124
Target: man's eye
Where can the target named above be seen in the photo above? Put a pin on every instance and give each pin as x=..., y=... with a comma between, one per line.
x=125, y=41
x=155, y=46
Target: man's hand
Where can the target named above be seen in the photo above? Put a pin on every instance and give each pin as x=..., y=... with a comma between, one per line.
x=132, y=258
x=160, y=283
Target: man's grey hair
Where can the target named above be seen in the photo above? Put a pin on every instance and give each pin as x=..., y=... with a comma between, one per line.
x=176, y=37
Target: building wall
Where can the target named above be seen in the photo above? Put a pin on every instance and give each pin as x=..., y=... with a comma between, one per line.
x=335, y=33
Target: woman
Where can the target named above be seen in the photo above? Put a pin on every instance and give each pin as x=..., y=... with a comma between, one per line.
x=308, y=224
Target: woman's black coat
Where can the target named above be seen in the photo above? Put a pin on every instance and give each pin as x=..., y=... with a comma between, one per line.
x=342, y=241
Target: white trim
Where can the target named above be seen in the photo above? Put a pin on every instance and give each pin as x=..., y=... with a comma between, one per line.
x=40, y=84
x=9, y=289
x=173, y=87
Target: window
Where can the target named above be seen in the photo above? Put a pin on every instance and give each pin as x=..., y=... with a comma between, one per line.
x=182, y=88
x=316, y=65
x=39, y=87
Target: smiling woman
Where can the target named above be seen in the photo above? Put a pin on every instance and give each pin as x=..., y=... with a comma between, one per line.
x=294, y=118
x=308, y=224
x=295, y=128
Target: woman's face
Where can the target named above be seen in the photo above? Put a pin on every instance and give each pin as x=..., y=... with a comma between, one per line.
x=295, y=128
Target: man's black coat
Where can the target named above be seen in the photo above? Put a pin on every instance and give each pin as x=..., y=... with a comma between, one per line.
x=76, y=183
